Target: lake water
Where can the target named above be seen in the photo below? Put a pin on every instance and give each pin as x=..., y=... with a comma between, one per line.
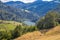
x=29, y=23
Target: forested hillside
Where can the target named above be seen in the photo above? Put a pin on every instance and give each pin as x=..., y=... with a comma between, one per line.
x=48, y=27
x=41, y=16
x=19, y=11
x=38, y=7
x=50, y=20
x=19, y=15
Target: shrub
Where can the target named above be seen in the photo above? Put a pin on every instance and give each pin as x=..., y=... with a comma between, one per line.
x=5, y=35
x=48, y=21
x=20, y=30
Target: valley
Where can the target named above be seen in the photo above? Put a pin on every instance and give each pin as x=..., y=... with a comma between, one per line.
x=38, y=20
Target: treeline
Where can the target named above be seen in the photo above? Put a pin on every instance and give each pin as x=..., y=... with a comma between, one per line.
x=50, y=20
x=17, y=32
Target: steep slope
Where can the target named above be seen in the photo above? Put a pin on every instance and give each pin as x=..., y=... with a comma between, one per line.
x=12, y=13
x=50, y=35
x=39, y=7
x=17, y=4
x=30, y=11
x=42, y=7
x=55, y=31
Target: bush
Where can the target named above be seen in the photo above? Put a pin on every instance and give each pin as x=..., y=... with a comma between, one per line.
x=48, y=21
x=5, y=35
x=20, y=30
x=17, y=31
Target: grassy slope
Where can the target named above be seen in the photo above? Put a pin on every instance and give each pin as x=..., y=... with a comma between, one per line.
x=8, y=25
x=53, y=34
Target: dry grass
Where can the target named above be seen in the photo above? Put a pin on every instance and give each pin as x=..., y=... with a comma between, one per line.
x=53, y=31
x=30, y=36
x=10, y=22
x=53, y=34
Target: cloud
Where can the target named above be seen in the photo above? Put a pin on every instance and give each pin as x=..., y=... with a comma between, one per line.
x=47, y=0
x=57, y=1
x=5, y=0
x=25, y=1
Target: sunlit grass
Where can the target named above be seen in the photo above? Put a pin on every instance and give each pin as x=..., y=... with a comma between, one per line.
x=7, y=26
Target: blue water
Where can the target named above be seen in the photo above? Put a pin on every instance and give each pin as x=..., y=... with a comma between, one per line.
x=29, y=23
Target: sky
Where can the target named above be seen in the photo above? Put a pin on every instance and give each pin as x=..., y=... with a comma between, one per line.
x=47, y=0
x=25, y=1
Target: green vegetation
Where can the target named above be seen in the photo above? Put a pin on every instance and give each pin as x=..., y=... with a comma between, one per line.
x=9, y=31
x=16, y=14
x=50, y=20
x=20, y=30
x=7, y=26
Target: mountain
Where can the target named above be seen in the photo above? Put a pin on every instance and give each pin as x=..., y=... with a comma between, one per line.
x=42, y=7
x=38, y=7
x=17, y=4
x=19, y=11
x=15, y=14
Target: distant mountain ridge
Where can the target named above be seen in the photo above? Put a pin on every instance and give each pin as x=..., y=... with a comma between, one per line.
x=12, y=13
x=19, y=11
x=39, y=7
